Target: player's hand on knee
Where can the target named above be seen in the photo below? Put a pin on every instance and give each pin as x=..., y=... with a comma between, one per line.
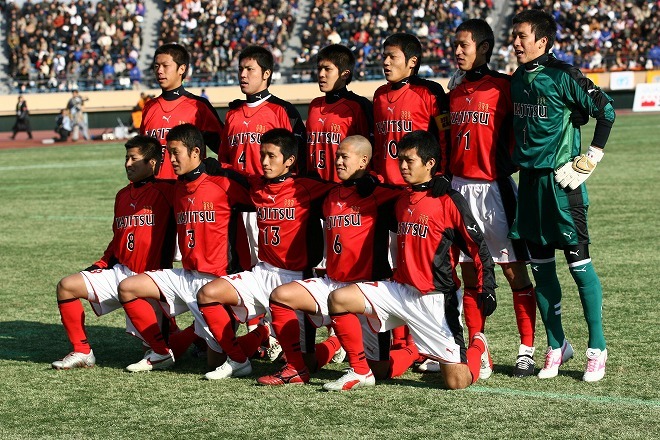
x=487, y=303
x=573, y=174
x=440, y=184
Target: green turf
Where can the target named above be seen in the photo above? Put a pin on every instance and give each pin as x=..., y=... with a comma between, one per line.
x=56, y=209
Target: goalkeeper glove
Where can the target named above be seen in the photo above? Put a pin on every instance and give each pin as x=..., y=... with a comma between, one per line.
x=573, y=174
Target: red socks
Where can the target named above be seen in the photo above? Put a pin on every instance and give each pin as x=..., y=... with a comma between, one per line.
x=251, y=341
x=325, y=350
x=143, y=317
x=73, y=319
x=349, y=331
x=402, y=359
x=221, y=327
x=474, y=319
x=287, y=330
x=181, y=340
x=474, y=352
x=524, y=304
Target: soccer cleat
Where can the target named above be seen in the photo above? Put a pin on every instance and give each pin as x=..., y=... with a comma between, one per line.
x=524, y=362
x=554, y=358
x=351, y=381
x=595, y=365
x=429, y=366
x=75, y=360
x=153, y=361
x=230, y=369
x=486, y=369
x=339, y=356
x=274, y=350
x=287, y=375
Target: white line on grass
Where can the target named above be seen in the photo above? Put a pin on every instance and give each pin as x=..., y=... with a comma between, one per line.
x=591, y=399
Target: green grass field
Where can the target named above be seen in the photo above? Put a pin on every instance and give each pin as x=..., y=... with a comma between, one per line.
x=56, y=207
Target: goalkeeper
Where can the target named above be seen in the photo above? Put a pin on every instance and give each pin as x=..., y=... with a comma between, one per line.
x=551, y=99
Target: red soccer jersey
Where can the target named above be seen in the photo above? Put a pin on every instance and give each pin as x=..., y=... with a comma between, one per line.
x=482, y=126
x=429, y=234
x=357, y=233
x=415, y=104
x=176, y=107
x=330, y=119
x=246, y=122
x=143, y=227
x=208, y=225
x=290, y=235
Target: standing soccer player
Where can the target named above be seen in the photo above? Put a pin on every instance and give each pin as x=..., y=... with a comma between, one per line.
x=143, y=239
x=290, y=244
x=336, y=115
x=425, y=292
x=356, y=218
x=481, y=167
x=206, y=215
x=176, y=106
x=545, y=91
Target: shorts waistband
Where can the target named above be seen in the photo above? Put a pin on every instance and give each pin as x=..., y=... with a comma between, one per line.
x=270, y=267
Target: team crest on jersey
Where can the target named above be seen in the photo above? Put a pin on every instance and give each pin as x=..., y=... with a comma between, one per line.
x=442, y=121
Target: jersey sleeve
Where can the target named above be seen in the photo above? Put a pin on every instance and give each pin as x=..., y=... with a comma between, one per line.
x=108, y=259
x=211, y=126
x=316, y=188
x=299, y=131
x=467, y=235
x=365, y=125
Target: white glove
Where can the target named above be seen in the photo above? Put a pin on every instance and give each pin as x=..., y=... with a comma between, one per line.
x=456, y=79
x=572, y=174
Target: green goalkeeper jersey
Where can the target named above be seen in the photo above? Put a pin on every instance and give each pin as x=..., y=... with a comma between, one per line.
x=545, y=92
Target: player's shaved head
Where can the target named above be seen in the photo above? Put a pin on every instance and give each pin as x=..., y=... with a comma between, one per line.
x=360, y=144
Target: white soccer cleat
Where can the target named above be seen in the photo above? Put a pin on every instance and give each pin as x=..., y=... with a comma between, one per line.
x=596, y=359
x=429, y=366
x=351, y=381
x=230, y=369
x=554, y=358
x=339, y=356
x=486, y=369
x=75, y=360
x=274, y=350
x=153, y=361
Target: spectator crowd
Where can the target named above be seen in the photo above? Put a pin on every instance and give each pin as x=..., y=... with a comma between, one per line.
x=90, y=45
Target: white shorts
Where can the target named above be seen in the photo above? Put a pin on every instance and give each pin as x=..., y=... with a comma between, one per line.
x=393, y=250
x=102, y=287
x=323, y=261
x=179, y=288
x=434, y=321
x=376, y=345
x=486, y=205
x=252, y=230
x=320, y=289
x=254, y=288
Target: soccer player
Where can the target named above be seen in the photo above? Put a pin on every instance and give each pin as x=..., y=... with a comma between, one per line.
x=143, y=239
x=405, y=104
x=337, y=114
x=247, y=120
x=356, y=235
x=176, y=106
x=206, y=215
x=545, y=91
x=481, y=167
x=424, y=293
x=290, y=244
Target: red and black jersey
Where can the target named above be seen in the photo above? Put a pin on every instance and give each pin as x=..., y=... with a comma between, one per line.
x=209, y=224
x=401, y=108
x=330, y=119
x=176, y=107
x=288, y=213
x=430, y=232
x=247, y=121
x=143, y=227
x=482, y=126
x=357, y=233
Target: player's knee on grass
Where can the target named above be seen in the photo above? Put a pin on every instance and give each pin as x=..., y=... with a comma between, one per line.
x=381, y=369
x=72, y=286
x=214, y=359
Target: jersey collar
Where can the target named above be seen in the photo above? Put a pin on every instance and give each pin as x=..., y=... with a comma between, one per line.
x=257, y=98
x=421, y=186
x=171, y=95
x=336, y=95
x=400, y=84
x=279, y=179
x=194, y=174
x=540, y=61
x=477, y=73
x=144, y=182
